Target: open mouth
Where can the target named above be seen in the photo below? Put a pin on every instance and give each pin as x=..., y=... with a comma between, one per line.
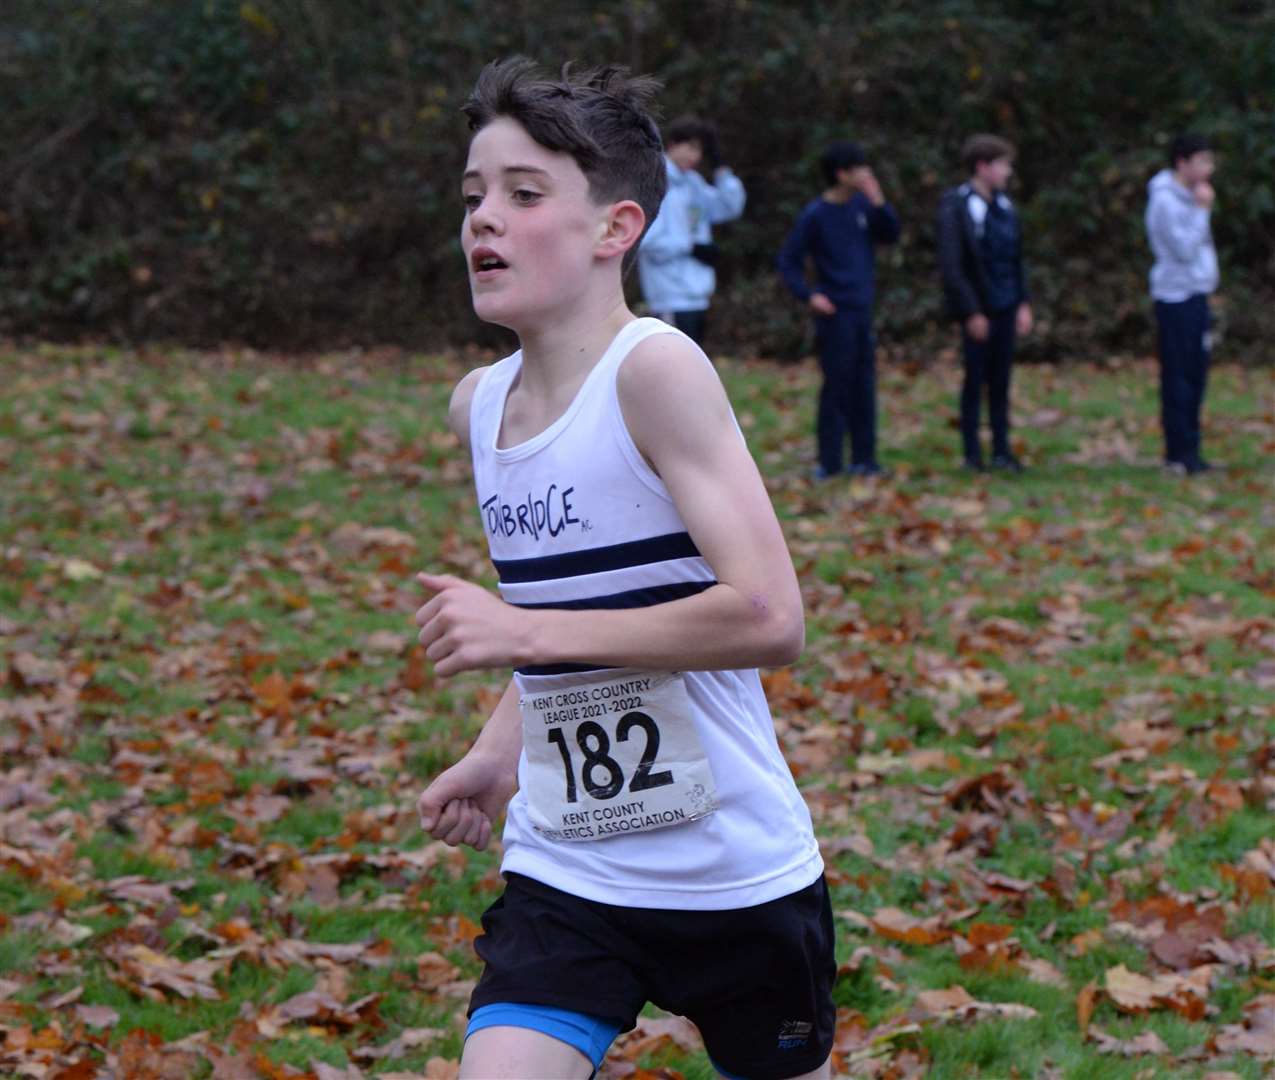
x=484, y=261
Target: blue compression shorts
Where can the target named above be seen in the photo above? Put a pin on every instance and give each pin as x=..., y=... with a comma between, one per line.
x=588, y=1034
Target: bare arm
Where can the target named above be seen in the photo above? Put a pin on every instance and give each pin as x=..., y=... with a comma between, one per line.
x=680, y=419
x=677, y=411
x=501, y=737
x=458, y=408
x=461, y=803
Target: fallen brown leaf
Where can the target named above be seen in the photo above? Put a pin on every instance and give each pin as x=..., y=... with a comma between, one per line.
x=190, y=978
x=898, y=925
x=1148, y=1042
x=955, y=1003
x=1256, y=1035
x=1086, y=1000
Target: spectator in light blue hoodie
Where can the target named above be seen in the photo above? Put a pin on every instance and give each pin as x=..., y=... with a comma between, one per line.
x=1179, y=207
x=677, y=260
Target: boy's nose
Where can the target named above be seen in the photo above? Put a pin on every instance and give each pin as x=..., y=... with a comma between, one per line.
x=484, y=219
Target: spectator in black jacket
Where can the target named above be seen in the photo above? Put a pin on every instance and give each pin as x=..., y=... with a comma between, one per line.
x=981, y=259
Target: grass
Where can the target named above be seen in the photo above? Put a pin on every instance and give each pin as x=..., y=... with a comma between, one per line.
x=210, y=682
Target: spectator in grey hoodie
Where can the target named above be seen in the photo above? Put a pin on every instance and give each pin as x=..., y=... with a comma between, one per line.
x=1180, y=203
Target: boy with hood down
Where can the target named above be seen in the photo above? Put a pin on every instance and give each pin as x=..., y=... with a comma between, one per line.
x=1179, y=206
x=677, y=260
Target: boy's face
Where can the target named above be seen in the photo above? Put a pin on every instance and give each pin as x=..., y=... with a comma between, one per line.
x=1196, y=169
x=530, y=226
x=686, y=155
x=995, y=173
x=853, y=177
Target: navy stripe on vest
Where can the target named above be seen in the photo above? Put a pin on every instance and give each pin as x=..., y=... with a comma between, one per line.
x=558, y=669
x=634, y=598
x=598, y=560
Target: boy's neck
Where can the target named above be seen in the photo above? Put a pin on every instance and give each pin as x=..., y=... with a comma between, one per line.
x=983, y=188
x=838, y=194
x=558, y=352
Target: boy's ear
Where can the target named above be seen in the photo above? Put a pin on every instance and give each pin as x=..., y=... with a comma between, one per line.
x=621, y=229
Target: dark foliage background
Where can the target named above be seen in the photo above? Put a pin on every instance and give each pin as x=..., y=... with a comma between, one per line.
x=284, y=172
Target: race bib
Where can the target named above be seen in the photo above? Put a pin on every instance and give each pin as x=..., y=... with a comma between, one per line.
x=613, y=756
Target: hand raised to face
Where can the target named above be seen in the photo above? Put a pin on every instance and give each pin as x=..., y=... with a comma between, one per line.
x=865, y=180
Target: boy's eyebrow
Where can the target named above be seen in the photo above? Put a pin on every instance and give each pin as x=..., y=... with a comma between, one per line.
x=471, y=174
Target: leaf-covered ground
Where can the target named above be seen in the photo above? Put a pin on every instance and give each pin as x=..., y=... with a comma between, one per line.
x=1035, y=722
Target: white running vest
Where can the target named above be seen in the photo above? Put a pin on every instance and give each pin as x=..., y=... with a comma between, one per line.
x=576, y=519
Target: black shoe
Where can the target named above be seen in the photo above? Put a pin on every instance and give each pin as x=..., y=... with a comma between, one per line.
x=1197, y=465
x=819, y=474
x=867, y=468
x=971, y=464
x=1006, y=463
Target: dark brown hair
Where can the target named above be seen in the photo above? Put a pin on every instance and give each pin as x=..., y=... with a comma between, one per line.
x=983, y=147
x=1186, y=145
x=600, y=116
x=685, y=129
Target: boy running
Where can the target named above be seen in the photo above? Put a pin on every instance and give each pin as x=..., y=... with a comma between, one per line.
x=655, y=847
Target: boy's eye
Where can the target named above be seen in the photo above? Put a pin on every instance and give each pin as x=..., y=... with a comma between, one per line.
x=525, y=197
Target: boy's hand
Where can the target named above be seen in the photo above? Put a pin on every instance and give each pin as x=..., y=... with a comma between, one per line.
x=460, y=804
x=821, y=305
x=1205, y=195
x=865, y=180
x=977, y=326
x=1023, y=320
x=464, y=627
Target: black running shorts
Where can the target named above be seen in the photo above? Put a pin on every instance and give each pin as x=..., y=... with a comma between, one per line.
x=756, y=981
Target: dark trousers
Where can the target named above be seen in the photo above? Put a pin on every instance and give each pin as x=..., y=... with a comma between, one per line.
x=691, y=323
x=1184, y=373
x=987, y=363
x=848, y=397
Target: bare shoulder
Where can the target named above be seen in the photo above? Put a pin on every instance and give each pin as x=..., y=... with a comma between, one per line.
x=458, y=409
x=666, y=372
x=671, y=396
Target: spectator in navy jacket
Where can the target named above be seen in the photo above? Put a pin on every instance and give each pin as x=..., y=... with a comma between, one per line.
x=980, y=255
x=838, y=232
